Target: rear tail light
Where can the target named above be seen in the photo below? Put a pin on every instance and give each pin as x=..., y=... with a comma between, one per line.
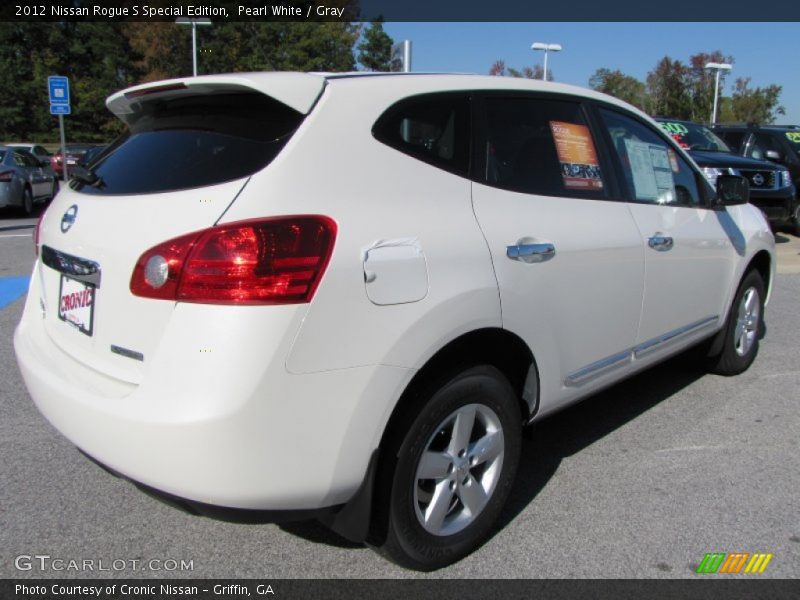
x=36, y=231
x=266, y=261
x=6, y=176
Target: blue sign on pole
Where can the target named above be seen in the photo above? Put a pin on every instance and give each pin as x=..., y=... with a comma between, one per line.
x=59, y=89
x=60, y=109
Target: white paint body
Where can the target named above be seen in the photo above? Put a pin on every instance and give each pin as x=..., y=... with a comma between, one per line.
x=280, y=407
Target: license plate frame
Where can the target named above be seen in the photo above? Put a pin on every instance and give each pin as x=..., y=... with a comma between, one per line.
x=75, y=302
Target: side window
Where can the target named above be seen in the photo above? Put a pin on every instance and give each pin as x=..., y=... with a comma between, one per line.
x=653, y=171
x=19, y=159
x=31, y=160
x=433, y=128
x=760, y=144
x=539, y=146
x=734, y=139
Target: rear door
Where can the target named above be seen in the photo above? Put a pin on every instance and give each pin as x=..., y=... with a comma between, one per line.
x=186, y=158
x=688, y=247
x=568, y=258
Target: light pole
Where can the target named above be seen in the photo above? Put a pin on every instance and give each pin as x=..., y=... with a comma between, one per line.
x=194, y=23
x=547, y=48
x=718, y=67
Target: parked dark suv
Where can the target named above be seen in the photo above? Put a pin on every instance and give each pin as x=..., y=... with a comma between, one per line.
x=771, y=186
x=777, y=143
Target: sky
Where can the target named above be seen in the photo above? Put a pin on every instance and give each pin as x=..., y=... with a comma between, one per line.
x=766, y=52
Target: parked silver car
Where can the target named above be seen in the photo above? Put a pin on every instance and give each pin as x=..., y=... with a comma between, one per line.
x=39, y=151
x=23, y=180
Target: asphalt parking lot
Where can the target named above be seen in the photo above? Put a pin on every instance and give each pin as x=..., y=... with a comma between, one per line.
x=640, y=481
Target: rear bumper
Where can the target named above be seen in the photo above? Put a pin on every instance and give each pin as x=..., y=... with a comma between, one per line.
x=266, y=440
x=9, y=196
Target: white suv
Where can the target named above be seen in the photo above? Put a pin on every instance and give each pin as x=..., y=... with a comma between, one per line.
x=344, y=296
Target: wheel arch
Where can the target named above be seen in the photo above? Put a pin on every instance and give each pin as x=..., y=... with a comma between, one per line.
x=494, y=346
x=762, y=263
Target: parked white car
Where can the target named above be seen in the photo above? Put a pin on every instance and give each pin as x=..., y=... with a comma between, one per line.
x=343, y=296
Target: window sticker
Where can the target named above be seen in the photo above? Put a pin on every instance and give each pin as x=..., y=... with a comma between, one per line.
x=580, y=168
x=793, y=136
x=677, y=131
x=673, y=161
x=652, y=173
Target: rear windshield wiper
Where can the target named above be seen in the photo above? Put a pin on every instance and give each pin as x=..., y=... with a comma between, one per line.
x=87, y=176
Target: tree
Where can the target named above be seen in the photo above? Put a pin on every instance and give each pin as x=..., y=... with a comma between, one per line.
x=499, y=68
x=95, y=57
x=278, y=46
x=375, y=49
x=668, y=89
x=162, y=50
x=700, y=82
x=619, y=85
x=759, y=105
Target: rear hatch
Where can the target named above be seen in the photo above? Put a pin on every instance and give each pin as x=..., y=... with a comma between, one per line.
x=190, y=149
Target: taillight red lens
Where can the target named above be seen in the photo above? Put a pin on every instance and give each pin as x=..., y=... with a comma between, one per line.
x=270, y=261
x=6, y=176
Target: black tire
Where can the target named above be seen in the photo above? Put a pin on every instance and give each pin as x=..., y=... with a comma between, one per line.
x=794, y=222
x=27, y=202
x=743, y=328
x=413, y=539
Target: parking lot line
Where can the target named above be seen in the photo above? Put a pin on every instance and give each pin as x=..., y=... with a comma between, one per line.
x=12, y=288
x=10, y=235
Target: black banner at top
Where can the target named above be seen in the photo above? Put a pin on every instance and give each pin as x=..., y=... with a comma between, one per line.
x=403, y=10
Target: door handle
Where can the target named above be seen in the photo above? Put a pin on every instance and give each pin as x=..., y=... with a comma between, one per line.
x=531, y=253
x=660, y=242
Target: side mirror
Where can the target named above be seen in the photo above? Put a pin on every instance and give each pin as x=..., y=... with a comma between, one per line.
x=773, y=155
x=732, y=190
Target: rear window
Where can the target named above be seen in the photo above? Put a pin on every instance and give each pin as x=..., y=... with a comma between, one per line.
x=195, y=141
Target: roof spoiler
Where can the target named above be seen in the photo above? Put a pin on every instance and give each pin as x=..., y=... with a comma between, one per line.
x=298, y=91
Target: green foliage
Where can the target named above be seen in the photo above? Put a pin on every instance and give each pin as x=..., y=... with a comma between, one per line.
x=375, y=49
x=759, y=105
x=668, y=89
x=686, y=91
x=102, y=58
x=700, y=83
x=617, y=84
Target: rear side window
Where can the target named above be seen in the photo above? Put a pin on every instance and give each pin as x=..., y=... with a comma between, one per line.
x=541, y=146
x=433, y=128
x=195, y=141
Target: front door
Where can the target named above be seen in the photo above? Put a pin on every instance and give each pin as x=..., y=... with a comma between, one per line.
x=689, y=248
x=568, y=259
